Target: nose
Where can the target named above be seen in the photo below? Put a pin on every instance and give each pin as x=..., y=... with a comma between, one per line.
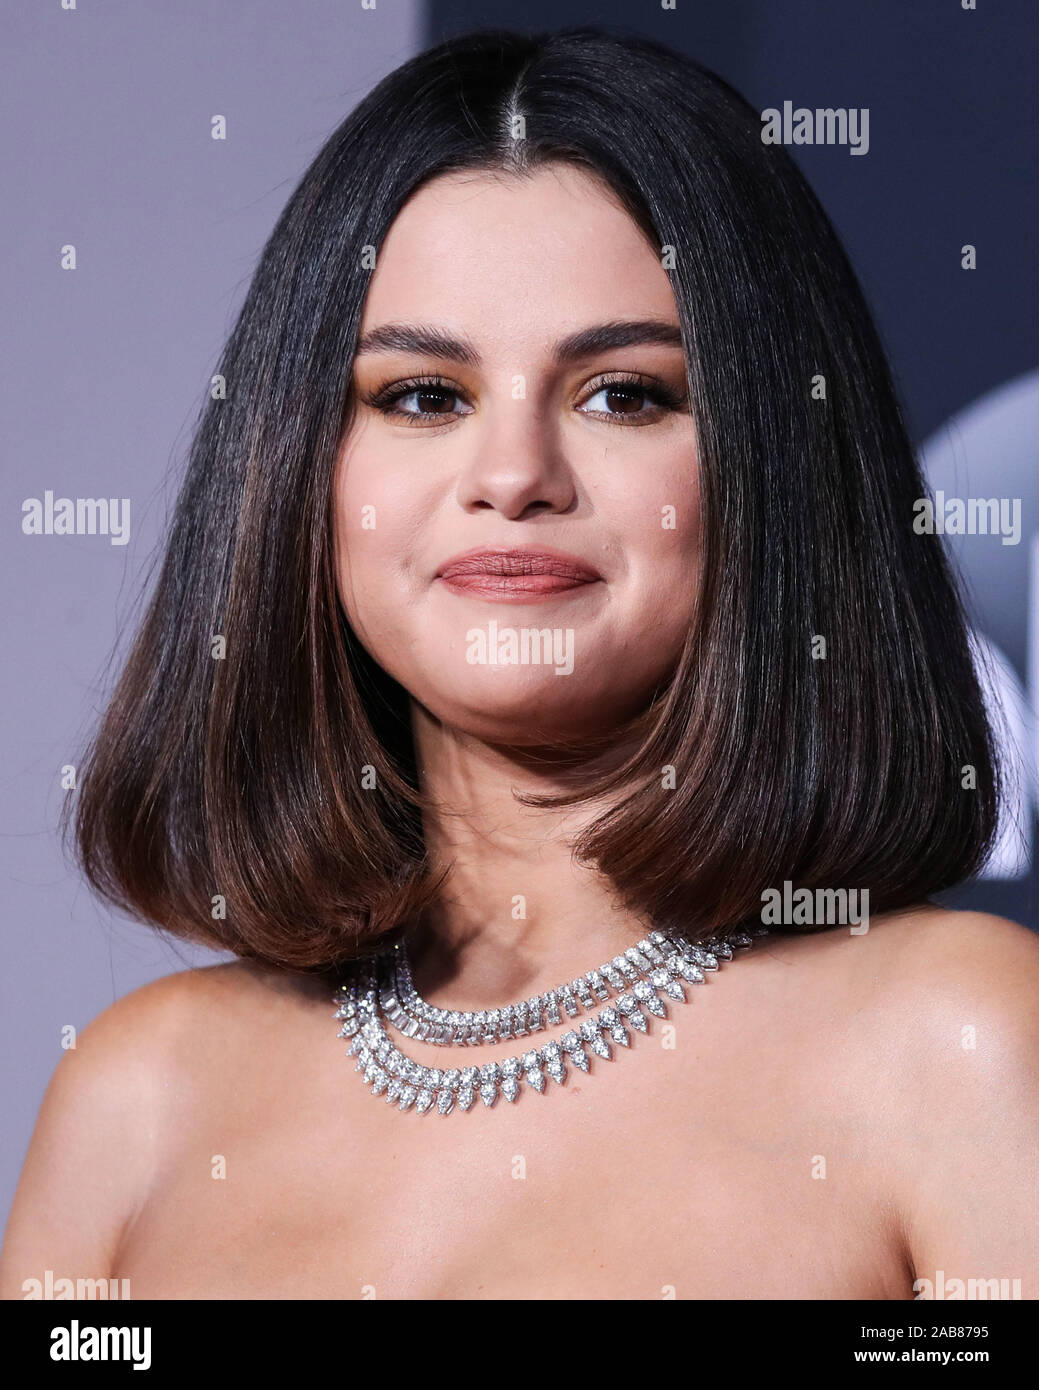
x=518, y=466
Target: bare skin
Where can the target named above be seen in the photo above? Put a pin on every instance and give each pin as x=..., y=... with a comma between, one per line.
x=822, y=1127
x=695, y=1169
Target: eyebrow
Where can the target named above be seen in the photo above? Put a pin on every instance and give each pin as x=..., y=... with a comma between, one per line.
x=587, y=342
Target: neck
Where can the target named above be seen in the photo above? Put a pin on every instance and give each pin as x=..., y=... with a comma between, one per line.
x=516, y=915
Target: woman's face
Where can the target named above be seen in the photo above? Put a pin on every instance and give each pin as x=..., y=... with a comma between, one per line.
x=575, y=460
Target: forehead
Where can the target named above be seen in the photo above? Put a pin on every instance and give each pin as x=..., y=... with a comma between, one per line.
x=523, y=256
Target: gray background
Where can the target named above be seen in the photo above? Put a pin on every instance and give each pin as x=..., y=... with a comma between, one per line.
x=106, y=145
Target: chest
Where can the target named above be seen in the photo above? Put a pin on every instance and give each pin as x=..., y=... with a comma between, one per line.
x=647, y=1182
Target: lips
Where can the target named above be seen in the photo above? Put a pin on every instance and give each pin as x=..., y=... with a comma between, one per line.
x=516, y=573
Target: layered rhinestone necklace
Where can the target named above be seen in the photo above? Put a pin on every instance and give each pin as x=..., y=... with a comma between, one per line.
x=661, y=964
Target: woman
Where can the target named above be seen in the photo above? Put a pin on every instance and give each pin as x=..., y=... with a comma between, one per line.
x=543, y=596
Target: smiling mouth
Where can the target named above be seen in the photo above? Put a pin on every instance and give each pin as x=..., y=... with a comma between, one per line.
x=517, y=575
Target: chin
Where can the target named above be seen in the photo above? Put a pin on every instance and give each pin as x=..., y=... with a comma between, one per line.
x=532, y=713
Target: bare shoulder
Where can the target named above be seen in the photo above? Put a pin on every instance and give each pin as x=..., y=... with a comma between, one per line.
x=929, y=961
x=960, y=937
x=113, y=1102
x=961, y=992
x=953, y=1004
x=948, y=1000
x=187, y=1012
x=958, y=970
x=926, y=1033
x=927, y=1004
x=152, y=1036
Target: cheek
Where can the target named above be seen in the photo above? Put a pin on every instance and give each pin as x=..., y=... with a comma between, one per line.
x=658, y=520
x=678, y=485
x=680, y=518
x=378, y=519
x=666, y=553
x=364, y=525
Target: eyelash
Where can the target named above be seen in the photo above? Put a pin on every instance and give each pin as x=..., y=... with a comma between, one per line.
x=387, y=397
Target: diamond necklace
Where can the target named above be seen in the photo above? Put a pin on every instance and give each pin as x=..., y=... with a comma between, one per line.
x=668, y=961
x=639, y=968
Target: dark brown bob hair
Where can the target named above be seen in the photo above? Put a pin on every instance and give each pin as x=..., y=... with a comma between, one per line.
x=247, y=779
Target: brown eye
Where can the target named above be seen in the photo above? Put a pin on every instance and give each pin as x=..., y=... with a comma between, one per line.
x=425, y=401
x=430, y=400
x=624, y=400
x=632, y=401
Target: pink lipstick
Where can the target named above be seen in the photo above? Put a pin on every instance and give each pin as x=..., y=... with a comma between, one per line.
x=523, y=574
